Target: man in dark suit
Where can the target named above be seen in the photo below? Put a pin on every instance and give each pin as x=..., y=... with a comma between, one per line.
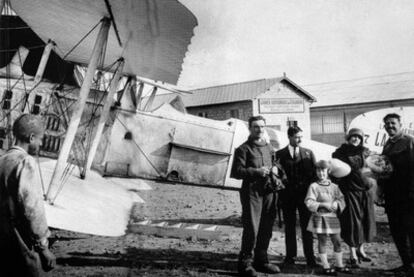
x=299, y=165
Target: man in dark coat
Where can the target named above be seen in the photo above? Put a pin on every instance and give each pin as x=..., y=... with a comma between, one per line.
x=399, y=190
x=253, y=164
x=23, y=229
x=299, y=165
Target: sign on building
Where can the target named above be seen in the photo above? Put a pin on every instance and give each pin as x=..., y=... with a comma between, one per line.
x=281, y=105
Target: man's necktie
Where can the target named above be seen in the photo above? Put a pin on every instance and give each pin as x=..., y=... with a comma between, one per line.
x=294, y=153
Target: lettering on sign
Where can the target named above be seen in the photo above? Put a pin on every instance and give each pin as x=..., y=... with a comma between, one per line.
x=281, y=105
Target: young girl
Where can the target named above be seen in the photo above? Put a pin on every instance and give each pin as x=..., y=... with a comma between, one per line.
x=325, y=201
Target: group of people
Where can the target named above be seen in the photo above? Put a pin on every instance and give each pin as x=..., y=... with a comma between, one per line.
x=341, y=209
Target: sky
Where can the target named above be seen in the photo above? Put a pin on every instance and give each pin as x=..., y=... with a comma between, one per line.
x=312, y=41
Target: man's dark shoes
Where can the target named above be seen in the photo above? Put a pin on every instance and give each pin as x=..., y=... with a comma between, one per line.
x=312, y=264
x=289, y=261
x=267, y=268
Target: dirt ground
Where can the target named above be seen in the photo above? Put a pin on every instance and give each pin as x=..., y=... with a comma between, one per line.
x=148, y=255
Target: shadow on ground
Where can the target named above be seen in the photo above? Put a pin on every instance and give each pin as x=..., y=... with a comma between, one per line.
x=222, y=264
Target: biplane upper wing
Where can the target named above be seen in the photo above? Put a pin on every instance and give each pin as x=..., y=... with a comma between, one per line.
x=152, y=36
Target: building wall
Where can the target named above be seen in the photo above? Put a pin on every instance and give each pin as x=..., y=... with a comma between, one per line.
x=288, y=105
x=240, y=110
x=329, y=124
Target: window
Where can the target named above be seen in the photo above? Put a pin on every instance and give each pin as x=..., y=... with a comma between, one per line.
x=317, y=124
x=2, y=137
x=53, y=123
x=328, y=123
x=36, y=105
x=203, y=114
x=51, y=143
x=333, y=123
x=8, y=95
x=234, y=113
x=51, y=140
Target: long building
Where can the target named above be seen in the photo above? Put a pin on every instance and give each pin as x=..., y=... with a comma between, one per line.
x=341, y=101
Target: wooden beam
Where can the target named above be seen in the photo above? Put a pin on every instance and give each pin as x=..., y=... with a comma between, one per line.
x=43, y=61
x=77, y=113
x=103, y=117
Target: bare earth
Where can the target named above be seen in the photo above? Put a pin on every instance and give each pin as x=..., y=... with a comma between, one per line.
x=143, y=255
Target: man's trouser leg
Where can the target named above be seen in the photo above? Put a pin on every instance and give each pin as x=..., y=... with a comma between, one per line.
x=251, y=203
x=410, y=221
x=264, y=235
x=289, y=218
x=307, y=237
x=399, y=232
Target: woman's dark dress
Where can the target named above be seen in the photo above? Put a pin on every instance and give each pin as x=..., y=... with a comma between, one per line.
x=358, y=218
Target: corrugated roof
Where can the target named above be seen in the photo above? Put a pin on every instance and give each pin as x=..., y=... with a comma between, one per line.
x=227, y=93
x=364, y=90
x=235, y=92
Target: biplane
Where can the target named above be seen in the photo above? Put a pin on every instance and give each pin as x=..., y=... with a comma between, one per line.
x=108, y=53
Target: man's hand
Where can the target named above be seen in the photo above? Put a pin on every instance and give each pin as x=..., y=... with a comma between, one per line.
x=263, y=171
x=275, y=170
x=47, y=259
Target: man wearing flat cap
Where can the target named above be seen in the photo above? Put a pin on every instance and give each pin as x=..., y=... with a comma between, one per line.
x=253, y=163
x=23, y=230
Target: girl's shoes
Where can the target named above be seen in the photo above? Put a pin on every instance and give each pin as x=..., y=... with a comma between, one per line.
x=329, y=271
x=363, y=258
x=354, y=262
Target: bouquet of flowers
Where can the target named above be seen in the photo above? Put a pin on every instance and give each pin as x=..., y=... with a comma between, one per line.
x=380, y=165
x=376, y=167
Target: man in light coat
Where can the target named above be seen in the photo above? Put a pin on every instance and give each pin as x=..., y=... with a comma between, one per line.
x=23, y=230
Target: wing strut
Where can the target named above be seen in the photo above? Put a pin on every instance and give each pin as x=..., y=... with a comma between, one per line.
x=103, y=117
x=77, y=113
x=43, y=61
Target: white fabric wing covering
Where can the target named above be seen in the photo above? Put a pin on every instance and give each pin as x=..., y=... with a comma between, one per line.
x=154, y=34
